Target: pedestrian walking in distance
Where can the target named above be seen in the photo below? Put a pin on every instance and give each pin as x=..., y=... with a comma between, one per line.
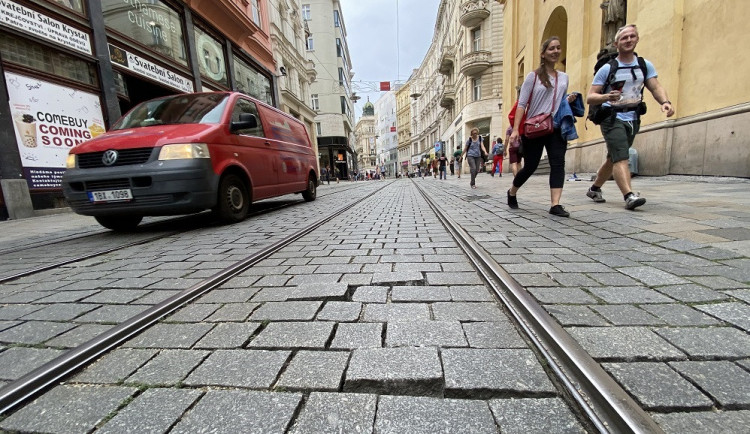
x=473, y=152
x=621, y=97
x=458, y=160
x=497, y=157
x=541, y=93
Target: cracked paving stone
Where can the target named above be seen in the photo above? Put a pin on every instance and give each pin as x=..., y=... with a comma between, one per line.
x=286, y=335
x=710, y=342
x=314, y=370
x=156, y=410
x=337, y=413
x=404, y=370
x=442, y=334
x=424, y=415
x=256, y=369
x=534, y=416
x=624, y=344
x=724, y=381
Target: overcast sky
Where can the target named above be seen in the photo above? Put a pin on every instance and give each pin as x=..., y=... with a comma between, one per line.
x=378, y=51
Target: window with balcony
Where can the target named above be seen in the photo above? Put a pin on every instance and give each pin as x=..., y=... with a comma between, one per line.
x=476, y=85
x=309, y=44
x=476, y=39
x=306, y=12
x=314, y=102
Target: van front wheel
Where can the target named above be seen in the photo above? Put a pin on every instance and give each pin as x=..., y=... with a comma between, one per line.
x=234, y=200
x=311, y=192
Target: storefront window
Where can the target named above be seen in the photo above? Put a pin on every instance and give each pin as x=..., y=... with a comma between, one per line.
x=36, y=56
x=154, y=24
x=210, y=57
x=252, y=82
x=76, y=5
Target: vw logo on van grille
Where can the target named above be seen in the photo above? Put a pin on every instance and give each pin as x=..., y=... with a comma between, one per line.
x=109, y=157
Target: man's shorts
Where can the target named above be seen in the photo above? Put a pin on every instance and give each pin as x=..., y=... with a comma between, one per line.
x=513, y=155
x=619, y=136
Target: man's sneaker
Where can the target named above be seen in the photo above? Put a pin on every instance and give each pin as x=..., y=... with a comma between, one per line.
x=512, y=201
x=634, y=201
x=559, y=211
x=596, y=196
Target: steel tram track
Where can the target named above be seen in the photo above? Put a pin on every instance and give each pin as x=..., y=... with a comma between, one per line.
x=155, y=224
x=40, y=379
x=607, y=406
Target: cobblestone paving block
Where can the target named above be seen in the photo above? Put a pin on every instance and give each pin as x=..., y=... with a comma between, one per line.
x=423, y=415
x=155, y=410
x=662, y=389
x=283, y=335
x=34, y=332
x=115, y=366
x=470, y=293
x=341, y=311
x=493, y=372
x=720, y=422
x=228, y=335
x=532, y=280
x=629, y=295
x=717, y=282
x=24, y=297
x=467, y=311
x=624, y=344
x=313, y=278
x=396, y=312
x=240, y=282
x=741, y=294
x=420, y=293
x=271, y=294
x=286, y=311
x=457, y=267
x=406, y=371
x=733, y=313
x=499, y=334
x=68, y=409
x=442, y=334
x=397, y=277
x=530, y=268
x=272, y=280
x=255, y=369
x=78, y=335
x=155, y=297
x=15, y=362
x=314, y=370
x=680, y=315
x=60, y=312
x=726, y=382
x=193, y=312
x=613, y=279
x=228, y=295
x=371, y=294
x=233, y=312
x=534, y=415
x=573, y=279
x=356, y=279
x=714, y=253
x=417, y=266
x=319, y=291
x=692, y=293
x=337, y=413
x=17, y=311
x=562, y=295
x=626, y=315
x=652, y=276
x=116, y=296
x=112, y=314
x=67, y=296
x=457, y=278
x=358, y=335
x=706, y=343
x=4, y=325
x=168, y=367
x=230, y=411
x=169, y=336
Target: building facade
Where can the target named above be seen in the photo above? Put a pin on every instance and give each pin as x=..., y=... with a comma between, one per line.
x=71, y=68
x=689, y=44
x=458, y=86
x=331, y=92
x=294, y=70
x=364, y=136
x=403, y=127
x=387, y=136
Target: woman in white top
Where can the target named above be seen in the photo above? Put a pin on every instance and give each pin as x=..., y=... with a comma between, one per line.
x=542, y=92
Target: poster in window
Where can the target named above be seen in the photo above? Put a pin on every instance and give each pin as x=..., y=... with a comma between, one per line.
x=49, y=120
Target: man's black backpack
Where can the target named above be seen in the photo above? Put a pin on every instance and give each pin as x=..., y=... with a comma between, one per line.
x=597, y=114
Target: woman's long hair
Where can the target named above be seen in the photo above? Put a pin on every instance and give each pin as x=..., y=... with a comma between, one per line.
x=541, y=72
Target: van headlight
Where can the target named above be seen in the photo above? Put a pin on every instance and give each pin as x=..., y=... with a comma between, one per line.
x=184, y=151
x=70, y=162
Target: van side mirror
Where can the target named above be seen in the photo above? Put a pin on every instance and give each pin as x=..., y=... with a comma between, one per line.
x=246, y=122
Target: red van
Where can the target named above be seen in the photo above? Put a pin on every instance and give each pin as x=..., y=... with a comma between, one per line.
x=186, y=153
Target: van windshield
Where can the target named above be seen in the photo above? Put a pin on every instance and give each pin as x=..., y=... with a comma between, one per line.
x=196, y=108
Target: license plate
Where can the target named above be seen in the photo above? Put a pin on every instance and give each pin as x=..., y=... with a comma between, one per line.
x=110, y=195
